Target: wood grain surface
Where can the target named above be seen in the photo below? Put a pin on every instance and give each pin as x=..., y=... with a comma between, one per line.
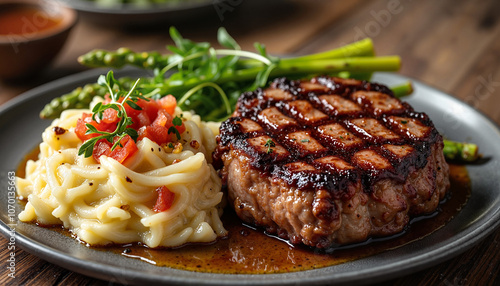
x=451, y=45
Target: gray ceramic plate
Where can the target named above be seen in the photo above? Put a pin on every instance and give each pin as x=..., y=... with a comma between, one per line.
x=21, y=128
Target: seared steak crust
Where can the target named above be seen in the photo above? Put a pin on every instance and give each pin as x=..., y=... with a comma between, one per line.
x=330, y=161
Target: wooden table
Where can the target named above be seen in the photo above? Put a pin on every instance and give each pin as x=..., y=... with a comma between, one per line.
x=452, y=45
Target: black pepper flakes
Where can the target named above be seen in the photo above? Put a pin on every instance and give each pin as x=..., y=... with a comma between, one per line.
x=59, y=130
x=128, y=179
x=194, y=144
x=127, y=250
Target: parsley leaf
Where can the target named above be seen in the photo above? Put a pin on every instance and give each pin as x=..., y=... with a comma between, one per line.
x=269, y=143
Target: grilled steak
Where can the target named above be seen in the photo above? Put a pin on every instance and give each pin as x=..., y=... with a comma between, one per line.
x=330, y=161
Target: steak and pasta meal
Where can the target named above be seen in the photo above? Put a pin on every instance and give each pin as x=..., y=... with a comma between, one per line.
x=306, y=149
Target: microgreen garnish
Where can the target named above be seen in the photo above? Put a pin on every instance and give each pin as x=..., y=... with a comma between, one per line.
x=204, y=78
x=177, y=121
x=269, y=143
x=116, y=93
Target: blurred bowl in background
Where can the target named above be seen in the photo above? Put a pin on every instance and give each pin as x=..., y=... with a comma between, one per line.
x=142, y=13
x=32, y=32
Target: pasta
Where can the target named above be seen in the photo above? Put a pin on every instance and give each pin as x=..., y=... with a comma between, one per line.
x=109, y=202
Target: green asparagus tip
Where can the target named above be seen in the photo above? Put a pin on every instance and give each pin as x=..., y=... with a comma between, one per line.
x=460, y=151
x=403, y=89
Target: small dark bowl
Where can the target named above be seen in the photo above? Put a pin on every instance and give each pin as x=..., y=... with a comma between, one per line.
x=25, y=54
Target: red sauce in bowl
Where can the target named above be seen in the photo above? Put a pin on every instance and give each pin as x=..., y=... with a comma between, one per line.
x=23, y=20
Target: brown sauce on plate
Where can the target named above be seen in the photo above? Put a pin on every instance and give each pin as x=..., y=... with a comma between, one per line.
x=250, y=251
x=22, y=20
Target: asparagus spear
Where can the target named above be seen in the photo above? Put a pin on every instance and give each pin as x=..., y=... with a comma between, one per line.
x=460, y=151
x=122, y=57
x=403, y=89
x=78, y=98
x=151, y=60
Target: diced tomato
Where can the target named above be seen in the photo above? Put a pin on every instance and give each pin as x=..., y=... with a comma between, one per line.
x=153, y=121
x=108, y=124
x=151, y=108
x=165, y=199
x=81, y=127
x=143, y=119
x=156, y=133
x=110, y=116
x=102, y=147
x=120, y=153
x=163, y=118
x=168, y=103
x=130, y=111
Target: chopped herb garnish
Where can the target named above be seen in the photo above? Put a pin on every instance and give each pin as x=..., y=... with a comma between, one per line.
x=404, y=121
x=304, y=140
x=269, y=143
x=177, y=121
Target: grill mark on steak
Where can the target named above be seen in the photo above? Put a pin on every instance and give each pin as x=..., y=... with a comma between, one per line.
x=329, y=160
x=328, y=116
